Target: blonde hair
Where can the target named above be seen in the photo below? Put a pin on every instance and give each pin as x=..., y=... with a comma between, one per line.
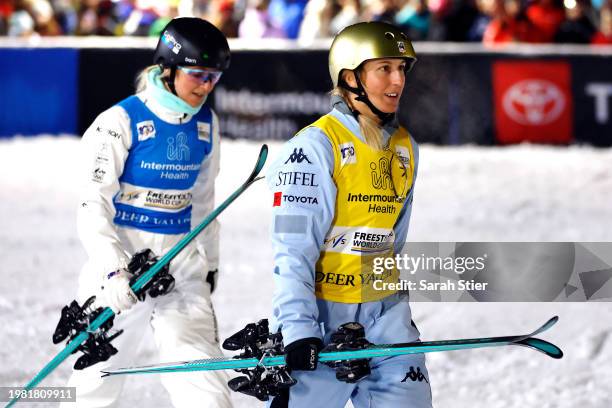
x=371, y=131
x=141, y=78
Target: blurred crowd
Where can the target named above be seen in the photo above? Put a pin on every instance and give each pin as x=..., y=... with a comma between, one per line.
x=488, y=21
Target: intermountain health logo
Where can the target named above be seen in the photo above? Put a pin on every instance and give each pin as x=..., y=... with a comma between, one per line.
x=178, y=148
x=381, y=174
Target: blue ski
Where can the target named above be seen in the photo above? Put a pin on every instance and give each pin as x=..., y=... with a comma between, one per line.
x=146, y=277
x=372, y=351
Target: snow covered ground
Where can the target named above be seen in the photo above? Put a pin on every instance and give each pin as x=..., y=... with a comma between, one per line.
x=521, y=193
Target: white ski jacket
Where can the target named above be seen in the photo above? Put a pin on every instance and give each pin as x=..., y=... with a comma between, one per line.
x=154, y=178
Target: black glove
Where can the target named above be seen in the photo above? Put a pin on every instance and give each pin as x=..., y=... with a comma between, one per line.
x=211, y=278
x=303, y=354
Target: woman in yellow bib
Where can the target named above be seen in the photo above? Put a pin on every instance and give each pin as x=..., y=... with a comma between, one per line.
x=343, y=190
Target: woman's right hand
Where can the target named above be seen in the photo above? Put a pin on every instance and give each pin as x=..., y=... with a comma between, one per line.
x=303, y=354
x=116, y=292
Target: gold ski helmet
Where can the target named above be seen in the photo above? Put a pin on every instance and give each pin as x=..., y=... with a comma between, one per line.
x=365, y=41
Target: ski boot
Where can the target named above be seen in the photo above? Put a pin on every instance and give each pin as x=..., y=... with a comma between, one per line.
x=349, y=336
x=256, y=342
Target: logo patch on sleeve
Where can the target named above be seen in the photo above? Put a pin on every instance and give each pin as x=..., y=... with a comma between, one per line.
x=146, y=130
x=204, y=131
x=347, y=150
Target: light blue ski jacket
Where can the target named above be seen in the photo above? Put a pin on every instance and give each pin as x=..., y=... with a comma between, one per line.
x=303, y=209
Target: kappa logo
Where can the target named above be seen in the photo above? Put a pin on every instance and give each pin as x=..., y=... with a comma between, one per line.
x=415, y=375
x=178, y=148
x=204, y=131
x=146, y=130
x=298, y=156
x=347, y=150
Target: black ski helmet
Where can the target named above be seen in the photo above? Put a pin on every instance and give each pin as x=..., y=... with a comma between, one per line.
x=192, y=41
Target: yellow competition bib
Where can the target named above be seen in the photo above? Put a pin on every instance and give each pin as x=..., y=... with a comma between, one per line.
x=371, y=188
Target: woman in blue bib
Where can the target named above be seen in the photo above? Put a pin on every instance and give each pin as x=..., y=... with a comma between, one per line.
x=150, y=165
x=343, y=190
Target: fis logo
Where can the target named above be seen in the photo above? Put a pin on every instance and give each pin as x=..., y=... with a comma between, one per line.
x=298, y=156
x=129, y=196
x=381, y=174
x=146, y=130
x=347, y=150
x=178, y=148
x=337, y=240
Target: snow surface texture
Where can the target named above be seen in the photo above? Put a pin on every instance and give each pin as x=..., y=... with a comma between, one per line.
x=522, y=193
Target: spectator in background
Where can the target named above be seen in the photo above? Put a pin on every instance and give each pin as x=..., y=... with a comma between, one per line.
x=288, y=15
x=257, y=22
x=44, y=18
x=95, y=18
x=66, y=16
x=142, y=15
x=604, y=35
x=20, y=22
x=460, y=19
x=438, y=9
x=383, y=10
x=6, y=9
x=413, y=19
x=482, y=20
x=222, y=16
x=546, y=16
x=317, y=19
x=579, y=27
x=349, y=14
x=508, y=24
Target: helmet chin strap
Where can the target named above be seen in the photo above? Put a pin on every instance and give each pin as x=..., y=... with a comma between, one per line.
x=170, y=79
x=362, y=96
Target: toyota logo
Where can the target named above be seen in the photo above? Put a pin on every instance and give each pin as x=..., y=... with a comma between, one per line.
x=534, y=102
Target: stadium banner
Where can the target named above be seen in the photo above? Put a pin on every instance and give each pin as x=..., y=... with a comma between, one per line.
x=454, y=95
x=592, y=95
x=39, y=91
x=533, y=101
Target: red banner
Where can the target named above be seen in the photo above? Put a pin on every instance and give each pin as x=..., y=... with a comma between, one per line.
x=533, y=102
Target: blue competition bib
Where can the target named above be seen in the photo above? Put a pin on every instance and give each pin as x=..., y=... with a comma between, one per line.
x=161, y=169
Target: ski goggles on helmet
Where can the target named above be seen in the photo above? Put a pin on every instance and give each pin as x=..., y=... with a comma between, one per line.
x=202, y=75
